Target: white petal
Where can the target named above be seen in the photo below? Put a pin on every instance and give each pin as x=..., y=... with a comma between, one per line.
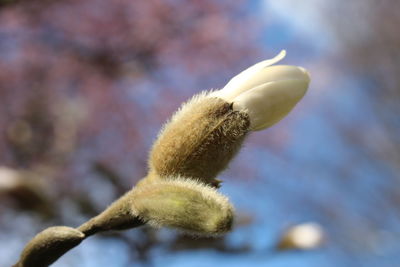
x=238, y=83
x=265, y=75
x=277, y=73
x=270, y=102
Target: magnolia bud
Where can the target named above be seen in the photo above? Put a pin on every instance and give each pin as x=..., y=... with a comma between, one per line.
x=187, y=205
x=50, y=244
x=206, y=133
x=199, y=141
x=266, y=93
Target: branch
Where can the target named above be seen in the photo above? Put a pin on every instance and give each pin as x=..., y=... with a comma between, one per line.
x=50, y=244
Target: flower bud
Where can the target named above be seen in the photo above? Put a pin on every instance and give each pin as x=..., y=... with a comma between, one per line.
x=50, y=244
x=206, y=132
x=187, y=205
x=267, y=93
x=199, y=141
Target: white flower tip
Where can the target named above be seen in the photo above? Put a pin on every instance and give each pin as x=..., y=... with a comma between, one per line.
x=265, y=63
x=268, y=103
x=306, y=74
x=267, y=93
x=281, y=55
x=247, y=78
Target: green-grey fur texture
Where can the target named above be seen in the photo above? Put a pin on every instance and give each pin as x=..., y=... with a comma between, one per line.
x=186, y=205
x=200, y=140
x=179, y=191
x=47, y=246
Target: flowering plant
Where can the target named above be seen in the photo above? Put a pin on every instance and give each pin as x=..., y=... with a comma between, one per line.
x=198, y=142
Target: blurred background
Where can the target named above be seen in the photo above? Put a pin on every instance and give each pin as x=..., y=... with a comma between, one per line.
x=86, y=85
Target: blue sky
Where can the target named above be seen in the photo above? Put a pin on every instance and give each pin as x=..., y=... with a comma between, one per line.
x=301, y=180
x=308, y=171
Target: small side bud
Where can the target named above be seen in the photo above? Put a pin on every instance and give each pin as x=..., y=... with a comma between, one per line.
x=50, y=244
x=187, y=205
x=200, y=140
